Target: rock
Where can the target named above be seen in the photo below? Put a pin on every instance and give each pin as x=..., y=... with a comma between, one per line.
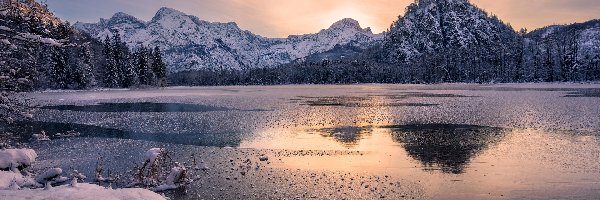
x=263, y=158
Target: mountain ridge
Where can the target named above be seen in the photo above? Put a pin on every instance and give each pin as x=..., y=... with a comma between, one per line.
x=191, y=43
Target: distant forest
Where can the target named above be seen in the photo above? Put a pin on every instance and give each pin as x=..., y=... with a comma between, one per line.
x=554, y=59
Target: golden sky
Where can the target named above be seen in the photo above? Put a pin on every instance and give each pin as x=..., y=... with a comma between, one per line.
x=279, y=18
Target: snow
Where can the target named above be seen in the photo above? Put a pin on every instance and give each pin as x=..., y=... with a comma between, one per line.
x=191, y=43
x=41, y=136
x=32, y=37
x=81, y=191
x=8, y=178
x=263, y=158
x=152, y=154
x=14, y=158
x=5, y=41
x=51, y=175
x=177, y=173
x=14, y=185
x=50, y=41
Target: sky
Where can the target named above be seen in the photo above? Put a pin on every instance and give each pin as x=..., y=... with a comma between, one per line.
x=280, y=18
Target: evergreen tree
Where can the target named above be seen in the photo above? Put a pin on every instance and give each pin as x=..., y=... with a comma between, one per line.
x=59, y=71
x=111, y=74
x=146, y=76
x=159, y=67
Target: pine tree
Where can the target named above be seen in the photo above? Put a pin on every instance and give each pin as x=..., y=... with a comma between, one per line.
x=111, y=76
x=130, y=74
x=159, y=67
x=143, y=67
x=59, y=71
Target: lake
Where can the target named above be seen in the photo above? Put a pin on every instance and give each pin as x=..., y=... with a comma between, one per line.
x=450, y=141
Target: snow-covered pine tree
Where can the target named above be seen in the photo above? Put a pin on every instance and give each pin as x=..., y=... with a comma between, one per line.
x=159, y=67
x=146, y=76
x=111, y=74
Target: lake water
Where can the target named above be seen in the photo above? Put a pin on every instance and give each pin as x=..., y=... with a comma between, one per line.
x=534, y=141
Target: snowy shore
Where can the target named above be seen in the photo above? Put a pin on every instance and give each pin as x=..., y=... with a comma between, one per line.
x=17, y=183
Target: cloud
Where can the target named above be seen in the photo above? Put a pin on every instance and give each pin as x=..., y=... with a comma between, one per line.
x=279, y=18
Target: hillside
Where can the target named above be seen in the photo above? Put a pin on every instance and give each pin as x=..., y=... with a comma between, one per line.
x=191, y=43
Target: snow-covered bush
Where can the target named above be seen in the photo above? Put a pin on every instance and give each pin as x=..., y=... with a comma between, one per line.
x=159, y=171
x=16, y=159
x=15, y=183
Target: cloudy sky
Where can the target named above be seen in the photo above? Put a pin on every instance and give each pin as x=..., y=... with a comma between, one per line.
x=279, y=18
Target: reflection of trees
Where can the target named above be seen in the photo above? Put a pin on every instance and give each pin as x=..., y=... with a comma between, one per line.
x=448, y=147
x=138, y=107
x=348, y=136
x=360, y=102
x=225, y=139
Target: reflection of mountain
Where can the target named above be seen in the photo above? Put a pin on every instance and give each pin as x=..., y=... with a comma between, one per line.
x=447, y=147
x=348, y=136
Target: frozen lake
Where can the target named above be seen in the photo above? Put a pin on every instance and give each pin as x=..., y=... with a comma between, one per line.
x=534, y=141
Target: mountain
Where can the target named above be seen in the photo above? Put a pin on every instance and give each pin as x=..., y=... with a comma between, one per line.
x=564, y=52
x=587, y=35
x=190, y=43
x=429, y=26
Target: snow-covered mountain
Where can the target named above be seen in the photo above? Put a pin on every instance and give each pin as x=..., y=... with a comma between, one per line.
x=586, y=35
x=190, y=43
x=429, y=26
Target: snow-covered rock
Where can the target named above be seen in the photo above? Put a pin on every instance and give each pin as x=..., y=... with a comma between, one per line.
x=176, y=175
x=51, y=175
x=82, y=191
x=263, y=158
x=152, y=154
x=40, y=136
x=191, y=43
x=8, y=178
x=14, y=185
x=15, y=158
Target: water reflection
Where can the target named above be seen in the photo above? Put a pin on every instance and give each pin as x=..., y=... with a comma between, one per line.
x=584, y=93
x=56, y=130
x=347, y=136
x=448, y=148
x=445, y=147
x=349, y=101
x=139, y=107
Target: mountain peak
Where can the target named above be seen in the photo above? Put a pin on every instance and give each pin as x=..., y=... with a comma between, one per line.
x=440, y=1
x=164, y=11
x=121, y=18
x=121, y=15
x=346, y=23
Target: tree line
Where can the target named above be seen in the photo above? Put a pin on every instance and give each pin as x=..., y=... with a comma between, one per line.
x=128, y=68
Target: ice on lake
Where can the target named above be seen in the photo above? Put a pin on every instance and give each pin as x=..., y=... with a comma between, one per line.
x=453, y=141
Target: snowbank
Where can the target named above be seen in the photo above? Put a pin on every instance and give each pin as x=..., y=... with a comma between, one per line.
x=82, y=191
x=13, y=185
x=15, y=158
x=7, y=178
